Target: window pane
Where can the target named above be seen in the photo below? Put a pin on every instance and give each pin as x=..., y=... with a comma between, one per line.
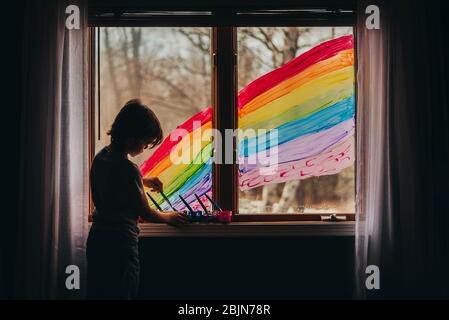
x=170, y=70
x=296, y=116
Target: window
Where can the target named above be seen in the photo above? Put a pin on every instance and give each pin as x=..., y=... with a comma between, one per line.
x=289, y=82
x=170, y=70
x=185, y=73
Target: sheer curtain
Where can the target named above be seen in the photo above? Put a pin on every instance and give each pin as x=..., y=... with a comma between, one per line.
x=402, y=154
x=54, y=168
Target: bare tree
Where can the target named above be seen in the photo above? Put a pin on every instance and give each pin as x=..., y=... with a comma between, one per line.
x=111, y=65
x=136, y=41
x=132, y=38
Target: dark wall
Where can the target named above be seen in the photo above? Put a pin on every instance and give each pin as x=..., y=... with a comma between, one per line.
x=247, y=268
x=11, y=103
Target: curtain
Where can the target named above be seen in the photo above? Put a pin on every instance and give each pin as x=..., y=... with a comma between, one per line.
x=402, y=151
x=53, y=195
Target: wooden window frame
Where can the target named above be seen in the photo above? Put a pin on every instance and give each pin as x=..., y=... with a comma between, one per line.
x=224, y=89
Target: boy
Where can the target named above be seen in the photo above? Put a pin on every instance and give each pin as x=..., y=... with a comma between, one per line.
x=119, y=199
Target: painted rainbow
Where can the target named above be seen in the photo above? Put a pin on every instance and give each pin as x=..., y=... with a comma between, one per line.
x=310, y=103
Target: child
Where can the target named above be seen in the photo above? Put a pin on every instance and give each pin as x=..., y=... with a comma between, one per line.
x=119, y=199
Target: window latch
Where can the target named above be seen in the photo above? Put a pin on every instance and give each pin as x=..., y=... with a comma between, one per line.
x=333, y=218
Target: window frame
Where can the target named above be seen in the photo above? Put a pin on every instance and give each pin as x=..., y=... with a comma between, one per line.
x=224, y=79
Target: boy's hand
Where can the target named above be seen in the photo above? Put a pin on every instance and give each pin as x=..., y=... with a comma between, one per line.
x=174, y=218
x=154, y=183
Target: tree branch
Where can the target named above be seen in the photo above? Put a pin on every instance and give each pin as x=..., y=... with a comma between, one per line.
x=269, y=40
x=195, y=37
x=180, y=91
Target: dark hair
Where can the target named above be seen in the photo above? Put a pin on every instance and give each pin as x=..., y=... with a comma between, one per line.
x=136, y=122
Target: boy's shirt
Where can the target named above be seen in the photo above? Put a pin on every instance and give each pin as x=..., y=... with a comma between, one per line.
x=117, y=190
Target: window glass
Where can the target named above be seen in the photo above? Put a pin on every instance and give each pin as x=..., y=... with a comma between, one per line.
x=296, y=119
x=169, y=70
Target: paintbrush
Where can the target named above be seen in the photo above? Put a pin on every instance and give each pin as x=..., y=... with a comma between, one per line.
x=154, y=202
x=168, y=201
x=213, y=203
x=186, y=204
x=201, y=203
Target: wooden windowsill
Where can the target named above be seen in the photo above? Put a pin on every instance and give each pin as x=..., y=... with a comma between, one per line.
x=250, y=229
x=282, y=217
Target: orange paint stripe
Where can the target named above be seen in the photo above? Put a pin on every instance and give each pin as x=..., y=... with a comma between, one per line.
x=343, y=59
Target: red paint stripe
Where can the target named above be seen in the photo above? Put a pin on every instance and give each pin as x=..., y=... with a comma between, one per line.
x=319, y=53
x=166, y=146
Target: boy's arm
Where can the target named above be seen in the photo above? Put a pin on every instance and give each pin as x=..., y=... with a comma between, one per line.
x=141, y=203
x=150, y=214
x=170, y=217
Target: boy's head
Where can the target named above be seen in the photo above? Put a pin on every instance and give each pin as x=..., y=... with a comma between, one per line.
x=135, y=128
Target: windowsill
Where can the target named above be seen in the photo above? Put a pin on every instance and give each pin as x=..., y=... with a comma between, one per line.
x=250, y=229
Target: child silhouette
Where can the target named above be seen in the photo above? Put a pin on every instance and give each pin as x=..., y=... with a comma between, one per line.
x=119, y=199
